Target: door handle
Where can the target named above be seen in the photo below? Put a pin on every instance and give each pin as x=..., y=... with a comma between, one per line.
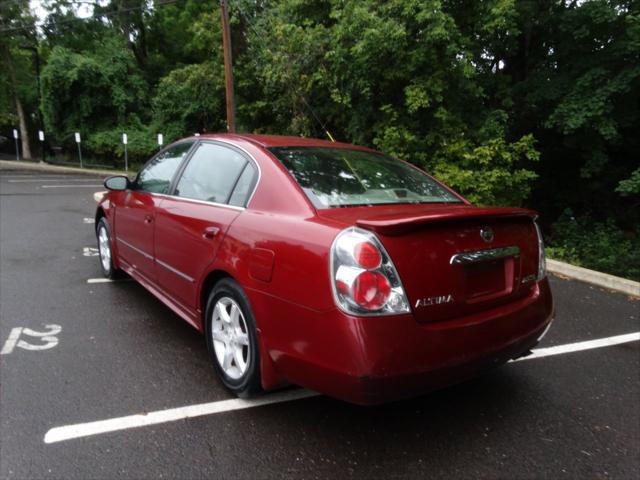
x=210, y=232
x=148, y=219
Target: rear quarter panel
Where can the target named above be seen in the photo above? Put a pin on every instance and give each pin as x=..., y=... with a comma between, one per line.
x=291, y=299
x=278, y=250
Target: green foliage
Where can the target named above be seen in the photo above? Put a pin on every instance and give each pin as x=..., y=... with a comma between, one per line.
x=491, y=173
x=601, y=246
x=576, y=86
x=90, y=92
x=17, y=84
x=107, y=144
x=630, y=185
x=395, y=75
x=191, y=99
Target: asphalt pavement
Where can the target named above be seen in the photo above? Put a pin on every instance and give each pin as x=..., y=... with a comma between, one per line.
x=76, y=352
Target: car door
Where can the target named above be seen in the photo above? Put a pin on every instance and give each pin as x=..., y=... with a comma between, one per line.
x=135, y=214
x=210, y=193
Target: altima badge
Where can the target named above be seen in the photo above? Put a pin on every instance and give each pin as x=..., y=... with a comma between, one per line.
x=487, y=234
x=438, y=300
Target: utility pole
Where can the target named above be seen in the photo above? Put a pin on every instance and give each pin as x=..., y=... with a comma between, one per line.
x=228, y=69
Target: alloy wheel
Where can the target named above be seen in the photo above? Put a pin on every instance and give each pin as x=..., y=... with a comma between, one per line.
x=230, y=337
x=104, y=246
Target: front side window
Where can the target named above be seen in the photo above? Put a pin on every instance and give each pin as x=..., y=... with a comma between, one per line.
x=156, y=176
x=211, y=173
x=339, y=177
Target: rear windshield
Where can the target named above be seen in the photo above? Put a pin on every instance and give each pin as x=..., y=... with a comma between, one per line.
x=338, y=177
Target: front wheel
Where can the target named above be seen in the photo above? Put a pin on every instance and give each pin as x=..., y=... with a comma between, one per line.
x=231, y=338
x=104, y=248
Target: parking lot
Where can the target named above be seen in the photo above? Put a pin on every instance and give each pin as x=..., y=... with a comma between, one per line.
x=75, y=351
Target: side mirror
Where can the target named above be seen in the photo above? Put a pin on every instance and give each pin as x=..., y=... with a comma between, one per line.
x=117, y=182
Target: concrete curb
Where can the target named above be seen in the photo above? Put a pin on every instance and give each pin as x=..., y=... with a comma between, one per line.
x=600, y=279
x=45, y=167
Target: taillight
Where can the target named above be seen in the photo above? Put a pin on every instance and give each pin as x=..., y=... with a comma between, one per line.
x=367, y=255
x=371, y=290
x=363, y=277
x=542, y=260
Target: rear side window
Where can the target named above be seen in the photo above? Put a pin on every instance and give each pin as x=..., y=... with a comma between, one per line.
x=156, y=176
x=243, y=187
x=211, y=173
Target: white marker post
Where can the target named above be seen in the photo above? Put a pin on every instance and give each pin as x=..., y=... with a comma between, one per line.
x=15, y=137
x=160, y=139
x=125, y=140
x=41, y=138
x=79, y=148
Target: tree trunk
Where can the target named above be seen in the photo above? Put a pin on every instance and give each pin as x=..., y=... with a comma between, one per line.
x=24, y=133
x=22, y=119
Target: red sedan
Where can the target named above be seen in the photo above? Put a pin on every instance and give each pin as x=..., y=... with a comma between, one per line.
x=326, y=265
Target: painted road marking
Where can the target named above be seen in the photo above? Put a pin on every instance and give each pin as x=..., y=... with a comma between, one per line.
x=100, y=280
x=579, y=346
x=48, y=337
x=69, y=186
x=52, y=180
x=32, y=176
x=88, y=220
x=107, y=280
x=90, y=251
x=68, y=432
x=10, y=344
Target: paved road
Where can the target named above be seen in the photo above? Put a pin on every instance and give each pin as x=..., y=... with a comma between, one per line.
x=121, y=352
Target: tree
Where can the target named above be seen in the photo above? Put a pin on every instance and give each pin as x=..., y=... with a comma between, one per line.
x=91, y=91
x=191, y=98
x=18, y=28
x=396, y=75
x=571, y=77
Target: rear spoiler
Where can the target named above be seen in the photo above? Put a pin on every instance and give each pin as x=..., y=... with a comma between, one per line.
x=399, y=224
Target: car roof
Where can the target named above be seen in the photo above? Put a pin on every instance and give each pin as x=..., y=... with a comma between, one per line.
x=268, y=141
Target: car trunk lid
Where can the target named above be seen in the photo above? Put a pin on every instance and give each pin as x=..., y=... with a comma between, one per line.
x=453, y=260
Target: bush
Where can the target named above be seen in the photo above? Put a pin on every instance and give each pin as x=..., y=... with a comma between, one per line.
x=601, y=246
x=142, y=144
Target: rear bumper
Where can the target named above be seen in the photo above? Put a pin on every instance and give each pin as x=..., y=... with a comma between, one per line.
x=370, y=360
x=372, y=390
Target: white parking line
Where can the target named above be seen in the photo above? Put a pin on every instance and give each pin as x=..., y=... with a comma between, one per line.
x=69, y=186
x=579, y=346
x=37, y=180
x=59, y=434
x=88, y=220
x=31, y=176
x=107, y=280
x=68, y=432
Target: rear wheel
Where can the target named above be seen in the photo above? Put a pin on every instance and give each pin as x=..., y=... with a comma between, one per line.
x=103, y=233
x=231, y=338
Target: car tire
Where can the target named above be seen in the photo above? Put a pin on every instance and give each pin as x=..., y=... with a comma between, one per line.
x=105, y=250
x=232, y=342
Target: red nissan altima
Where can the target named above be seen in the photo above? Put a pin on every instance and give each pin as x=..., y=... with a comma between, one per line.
x=327, y=265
